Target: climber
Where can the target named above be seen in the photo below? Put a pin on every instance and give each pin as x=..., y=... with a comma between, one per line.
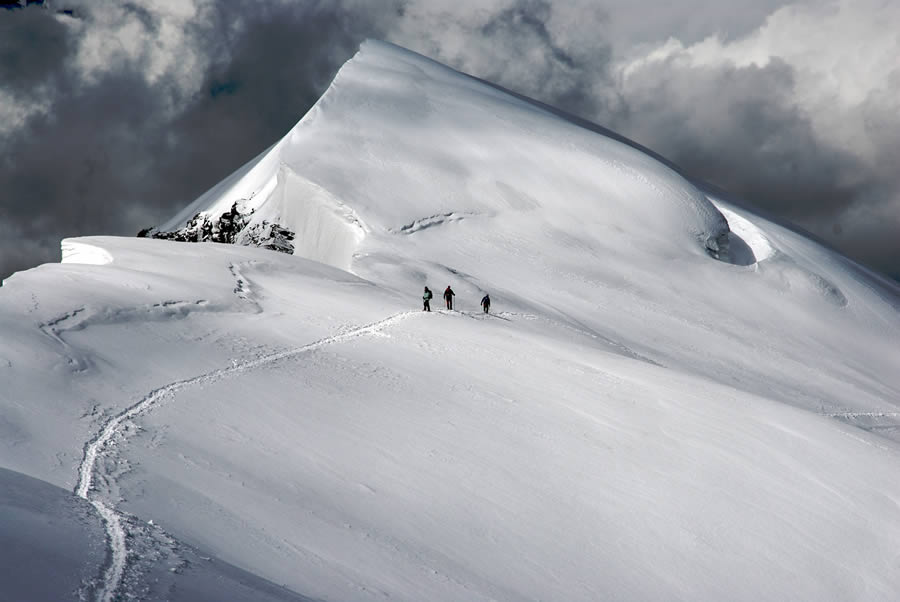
x=448, y=297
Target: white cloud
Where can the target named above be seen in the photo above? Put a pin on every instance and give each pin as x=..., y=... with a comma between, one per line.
x=154, y=38
x=14, y=112
x=844, y=57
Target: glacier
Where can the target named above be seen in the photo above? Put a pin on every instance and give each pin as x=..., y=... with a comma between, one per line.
x=634, y=420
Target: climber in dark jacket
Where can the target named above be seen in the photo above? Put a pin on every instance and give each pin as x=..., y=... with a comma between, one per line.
x=426, y=297
x=448, y=297
x=486, y=303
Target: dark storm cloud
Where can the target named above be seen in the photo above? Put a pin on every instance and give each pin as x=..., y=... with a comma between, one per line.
x=109, y=156
x=763, y=147
x=527, y=16
x=561, y=57
x=277, y=67
x=525, y=23
x=740, y=129
x=32, y=48
x=145, y=16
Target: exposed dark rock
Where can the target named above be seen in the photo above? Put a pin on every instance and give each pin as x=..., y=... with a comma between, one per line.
x=230, y=227
x=268, y=236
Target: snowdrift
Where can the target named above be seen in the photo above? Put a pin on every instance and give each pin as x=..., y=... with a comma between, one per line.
x=635, y=420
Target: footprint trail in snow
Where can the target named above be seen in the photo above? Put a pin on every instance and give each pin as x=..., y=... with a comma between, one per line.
x=116, y=534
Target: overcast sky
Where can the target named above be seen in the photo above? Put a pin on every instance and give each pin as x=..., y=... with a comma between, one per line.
x=115, y=114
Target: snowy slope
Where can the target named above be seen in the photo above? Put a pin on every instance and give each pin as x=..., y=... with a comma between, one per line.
x=636, y=420
x=554, y=217
x=52, y=545
x=54, y=549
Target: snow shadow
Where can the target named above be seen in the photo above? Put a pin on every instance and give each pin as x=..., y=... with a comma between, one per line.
x=52, y=544
x=737, y=251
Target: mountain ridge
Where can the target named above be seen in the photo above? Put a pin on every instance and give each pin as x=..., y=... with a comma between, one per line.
x=633, y=420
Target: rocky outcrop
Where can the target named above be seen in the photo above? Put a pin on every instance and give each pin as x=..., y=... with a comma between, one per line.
x=267, y=236
x=234, y=227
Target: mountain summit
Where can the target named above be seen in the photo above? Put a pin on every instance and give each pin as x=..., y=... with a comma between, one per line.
x=399, y=143
x=672, y=397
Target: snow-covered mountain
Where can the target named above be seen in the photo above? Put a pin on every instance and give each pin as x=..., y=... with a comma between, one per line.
x=672, y=398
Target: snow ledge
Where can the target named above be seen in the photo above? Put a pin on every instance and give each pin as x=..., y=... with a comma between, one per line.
x=74, y=251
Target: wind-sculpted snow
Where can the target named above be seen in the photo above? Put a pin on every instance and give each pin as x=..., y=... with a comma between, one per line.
x=752, y=237
x=440, y=143
x=633, y=420
x=434, y=220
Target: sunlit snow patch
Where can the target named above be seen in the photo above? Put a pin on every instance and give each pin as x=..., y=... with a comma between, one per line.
x=743, y=245
x=749, y=234
x=81, y=252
